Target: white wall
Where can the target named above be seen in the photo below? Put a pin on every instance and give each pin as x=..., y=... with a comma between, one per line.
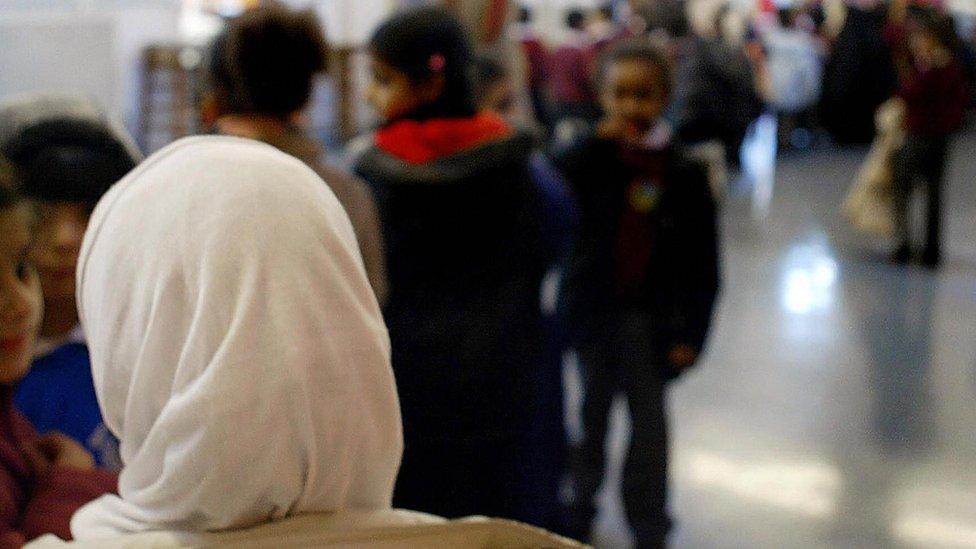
x=351, y=22
x=87, y=47
x=51, y=53
x=963, y=6
x=135, y=28
x=549, y=16
x=93, y=47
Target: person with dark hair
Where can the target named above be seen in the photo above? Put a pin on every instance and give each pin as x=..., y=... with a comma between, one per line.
x=604, y=29
x=601, y=25
x=717, y=97
x=66, y=165
x=262, y=69
x=537, y=58
x=934, y=90
x=45, y=479
x=668, y=16
x=462, y=220
x=571, y=74
x=794, y=66
x=545, y=445
x=641, y=284
x=247, y=58
x=494, y=88
x=575, y=20
x=858, y=76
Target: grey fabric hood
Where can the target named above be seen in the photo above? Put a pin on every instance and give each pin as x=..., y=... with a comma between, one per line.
x=376, y=163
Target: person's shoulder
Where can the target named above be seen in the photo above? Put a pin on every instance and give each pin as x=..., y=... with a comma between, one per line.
x=337, y=176
x=512, y=152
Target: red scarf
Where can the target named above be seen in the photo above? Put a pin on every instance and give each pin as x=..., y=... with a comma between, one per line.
x=421, y=142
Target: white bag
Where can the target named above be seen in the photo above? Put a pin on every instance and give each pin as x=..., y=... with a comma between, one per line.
x=869, y=205
x=795, y=70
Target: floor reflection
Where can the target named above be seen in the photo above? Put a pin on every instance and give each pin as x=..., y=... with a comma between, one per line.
x=895, y=311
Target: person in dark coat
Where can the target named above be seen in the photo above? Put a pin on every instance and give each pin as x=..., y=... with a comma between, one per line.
x=934, y=90
x=462, y=218
x=641, y=285
x=859, y=76
x=717, y=96
x=545, y=445
x=537, y=58
x=571, y=73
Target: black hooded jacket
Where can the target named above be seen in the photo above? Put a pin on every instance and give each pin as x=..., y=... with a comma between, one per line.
x=681, y=279
x=465, y=260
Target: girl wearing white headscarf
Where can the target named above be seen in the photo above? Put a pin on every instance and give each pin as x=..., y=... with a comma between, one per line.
x=237, y=349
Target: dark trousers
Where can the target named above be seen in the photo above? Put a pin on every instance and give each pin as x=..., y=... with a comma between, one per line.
x=542, y=460
x=624, y=359
x=921, y=159
x=540, y=107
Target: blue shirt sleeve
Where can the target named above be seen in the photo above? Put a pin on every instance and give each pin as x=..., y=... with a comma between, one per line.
x=58, y=394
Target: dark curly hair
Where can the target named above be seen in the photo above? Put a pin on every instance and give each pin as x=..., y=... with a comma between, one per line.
x=68, y=160
x=266, y=60
x=575, y=19
x=638, y=49
x=488, y=71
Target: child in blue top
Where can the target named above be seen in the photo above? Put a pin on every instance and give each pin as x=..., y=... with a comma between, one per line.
x=66, y=165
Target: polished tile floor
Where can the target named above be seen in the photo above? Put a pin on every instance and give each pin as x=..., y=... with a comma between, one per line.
x=837, y=404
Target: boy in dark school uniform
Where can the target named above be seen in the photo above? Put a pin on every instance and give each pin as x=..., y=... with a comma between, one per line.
x=642, y=281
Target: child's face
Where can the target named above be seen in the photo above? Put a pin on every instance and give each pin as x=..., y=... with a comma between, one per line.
x=20, y=295
x=390, y=91
x=57, y=243
x=499, y=98
x=924, y=47
x=634, y=94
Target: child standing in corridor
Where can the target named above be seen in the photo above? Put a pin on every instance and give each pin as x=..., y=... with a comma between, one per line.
x=641, y=284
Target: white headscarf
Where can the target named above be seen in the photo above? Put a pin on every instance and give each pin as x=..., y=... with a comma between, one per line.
x=237, y=350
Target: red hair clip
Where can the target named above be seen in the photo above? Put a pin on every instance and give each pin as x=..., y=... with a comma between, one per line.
x=436, y=63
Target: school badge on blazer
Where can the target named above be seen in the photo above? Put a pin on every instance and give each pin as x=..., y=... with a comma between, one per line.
x=644, y=196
